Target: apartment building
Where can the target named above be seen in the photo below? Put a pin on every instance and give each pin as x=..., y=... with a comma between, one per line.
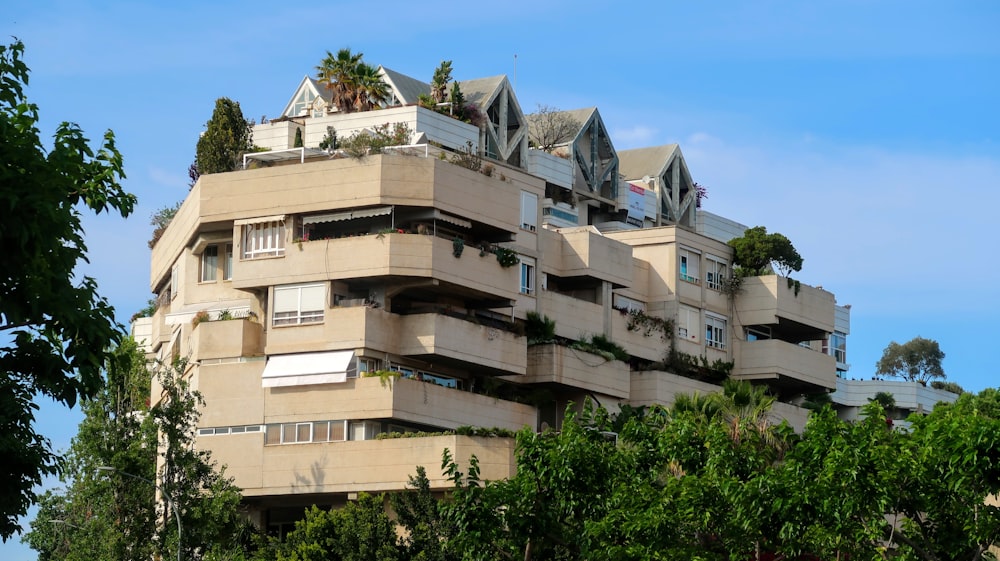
x=324, y=300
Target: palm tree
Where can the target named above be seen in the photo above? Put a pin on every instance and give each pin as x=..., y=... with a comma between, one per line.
x=439, y=83
x=370, y=91
x=339, y=74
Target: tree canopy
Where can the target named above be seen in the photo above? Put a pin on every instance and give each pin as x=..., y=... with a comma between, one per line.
x=228, y=135
x=115, y=514
x=917, y=360
x=757, y=252
x=549, y=127
x=55, y=328
x=354, y=84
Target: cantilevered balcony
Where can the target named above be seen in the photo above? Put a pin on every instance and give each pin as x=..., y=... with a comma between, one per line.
x=584, y=252
x=769, y=300
x=444, y=339
x=563, y=366
x=227, y=339
x=414, y=256
x=400, y=399
x=787, y=366
x=351, y=466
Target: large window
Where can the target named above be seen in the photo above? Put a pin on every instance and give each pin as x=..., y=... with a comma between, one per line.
x=210, y=264
x=688, y=322
x=301, y=433
x=529, y=211
x=836, y=347
x=715, y=272
x=689, y=265
x=527, y=275
x=715, y=331
x=263, y=239
x=296, y=304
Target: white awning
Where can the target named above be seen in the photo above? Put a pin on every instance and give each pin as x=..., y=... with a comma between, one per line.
x=274, y=218
x=347, y=215
x=460, y=222
x=306, y=368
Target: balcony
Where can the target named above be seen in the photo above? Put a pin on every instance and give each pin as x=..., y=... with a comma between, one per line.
x=386, y=255
x=342, y=328
x=551, y=168
x=586, y=253
x=767, y=300
x=577, y=318
x=787, y=364
x=650, y=347
x=436, y=337
x=227, y=339
x=563, y=366
x=405, y=400
x=652, y=387
x=352, y=466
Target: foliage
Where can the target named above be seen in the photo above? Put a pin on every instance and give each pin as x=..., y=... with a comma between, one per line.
x=329, y=141
x=756, y=252
x=457, y=246
x=549, y=127
x=228, y=135
x=506, y=257
x=539, y=328
x=298, y=138
x=364, y=143
x=146, y=311
x=885, y=400
x=918, y=360
x=360, y=531
x=354, y=84
x=697, y=367
x=469, y=159
x=385, y=376
x=114, y=514
x=56, y=328
x=439, y=82
x=603, y=346
x=160, y=220
x=638, y=320
x=952, y=387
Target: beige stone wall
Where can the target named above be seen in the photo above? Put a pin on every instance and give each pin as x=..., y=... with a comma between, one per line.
x=772, y=358
x=763, y=300
x=654, y=387
x=561, y=365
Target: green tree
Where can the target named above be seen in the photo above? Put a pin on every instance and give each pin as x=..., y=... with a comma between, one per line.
x=228, y=135
x=370, y=90
x=757, y=252
x=917, y=360
x=360, y=531
x=110, y=515
x=160, y=220
x=55, y=328
x=339, y=74
x=440, y=80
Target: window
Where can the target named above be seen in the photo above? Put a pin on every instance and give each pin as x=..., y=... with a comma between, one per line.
x=174, y=281
x=527, y=275
x=715, y=331
x=299, y=303
x=304, y=432
x=715, y=272
x=227, y=266
x=210, y=263
x=836, y=346
x=529, y=211
x=689, y=265
x=688, y=320
x=758, y=333
x=264, y=239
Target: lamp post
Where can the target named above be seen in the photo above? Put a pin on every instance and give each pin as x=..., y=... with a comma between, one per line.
x=170, y=503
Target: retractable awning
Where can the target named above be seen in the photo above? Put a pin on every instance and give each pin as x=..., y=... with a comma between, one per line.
x=306, y=369
x=347, y=215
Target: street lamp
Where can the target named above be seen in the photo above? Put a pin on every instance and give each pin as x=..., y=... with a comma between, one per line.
x=170, y=503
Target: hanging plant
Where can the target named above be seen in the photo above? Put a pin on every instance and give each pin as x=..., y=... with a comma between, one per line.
x=457, y=246
x=506, y=257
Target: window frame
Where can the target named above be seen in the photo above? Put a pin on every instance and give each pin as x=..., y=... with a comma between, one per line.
x=529, y=211
x=689, y=261
x=527, y=276
x=716, y=331
x=209, y=264
x=300, y=316
x=263, y=239
x=715, y=272
x=227, y=264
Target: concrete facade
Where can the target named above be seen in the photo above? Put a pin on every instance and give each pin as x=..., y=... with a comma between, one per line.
x=323, y=301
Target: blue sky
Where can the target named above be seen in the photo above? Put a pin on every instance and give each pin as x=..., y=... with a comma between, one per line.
x=865, y=131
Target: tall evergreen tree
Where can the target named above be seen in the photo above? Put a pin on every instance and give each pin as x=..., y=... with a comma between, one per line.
x=228, y=135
